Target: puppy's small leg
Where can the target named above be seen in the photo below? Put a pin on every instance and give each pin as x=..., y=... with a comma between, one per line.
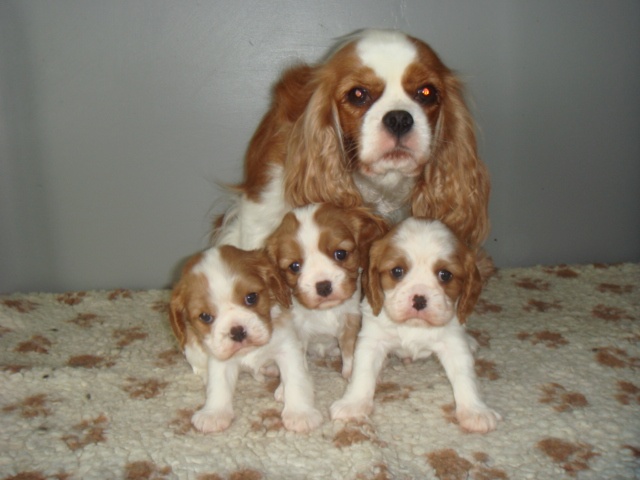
x=471, y=412
x=357, y=401
x=296, y=388
x=217, y=413
x=347, y=342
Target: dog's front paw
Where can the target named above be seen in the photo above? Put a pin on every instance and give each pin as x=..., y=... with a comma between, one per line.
x=478, y=420
x=348, y=410
x=301, y=421
x=212, y=421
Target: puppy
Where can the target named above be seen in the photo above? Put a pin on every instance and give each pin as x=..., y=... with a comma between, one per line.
x=320, y=250
x=228, y=311
x=421, y=285
x=380, y=122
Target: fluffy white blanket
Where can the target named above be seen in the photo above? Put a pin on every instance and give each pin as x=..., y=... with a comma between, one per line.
x=91, y=386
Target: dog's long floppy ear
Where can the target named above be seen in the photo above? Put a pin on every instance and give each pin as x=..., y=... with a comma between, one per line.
x=272, y=244
x=368, y=226
x=371, y=278
x=177, y=305
x=471, y=287
x=272, y=277
x=455, y=187
x=316, y=168
x=177, y=313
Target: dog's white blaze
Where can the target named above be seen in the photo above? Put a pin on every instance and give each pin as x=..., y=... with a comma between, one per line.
x=317, y=266
x=387, y=52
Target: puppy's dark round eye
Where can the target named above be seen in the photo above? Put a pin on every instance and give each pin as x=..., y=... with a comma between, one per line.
x=251, y=299
x=427, y=94
x=340, y=255
x=206, y=318
x=295, y=267
x=445, y=276
x=358, y=96
x=397, y=272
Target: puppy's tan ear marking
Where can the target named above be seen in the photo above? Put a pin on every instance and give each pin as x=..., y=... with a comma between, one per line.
x=371, y=279
x=279, y=287
x=271, y=275
x=369, y=226
x=177, y=305
x=288, y=225
x=471, y=287
x=177, y=312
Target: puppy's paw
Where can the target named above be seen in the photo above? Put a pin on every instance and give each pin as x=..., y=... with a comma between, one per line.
x=209, y=422
x=301, y=421
x=348, y=410
x=478, y=420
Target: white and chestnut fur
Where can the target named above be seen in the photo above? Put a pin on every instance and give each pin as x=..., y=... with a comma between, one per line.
x=381, y=123
x=229, y=312
x=421, y=285
x=320, y=250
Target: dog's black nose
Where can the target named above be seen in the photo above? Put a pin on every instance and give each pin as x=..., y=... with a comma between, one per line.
x=238, y=334
x=419, y=302
x=398, y=122
x=324, y=289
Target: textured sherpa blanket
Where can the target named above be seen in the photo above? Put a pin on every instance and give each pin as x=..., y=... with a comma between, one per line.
x=92, y=387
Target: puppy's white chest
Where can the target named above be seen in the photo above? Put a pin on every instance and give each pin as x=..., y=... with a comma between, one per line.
x=414, y=343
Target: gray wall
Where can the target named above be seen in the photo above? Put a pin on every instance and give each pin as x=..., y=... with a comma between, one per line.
x=119, y=118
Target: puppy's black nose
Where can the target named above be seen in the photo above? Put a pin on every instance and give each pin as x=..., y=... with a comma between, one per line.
x=324, y=289
x=419, y=302
x=398, y=122
x=238, y=334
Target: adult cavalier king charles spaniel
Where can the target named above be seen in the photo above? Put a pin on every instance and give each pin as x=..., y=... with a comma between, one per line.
x=381, y=123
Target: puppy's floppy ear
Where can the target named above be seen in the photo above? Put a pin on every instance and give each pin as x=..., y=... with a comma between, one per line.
x=367, y=226
x=177, y=305
x=271, y=276
x=177, y=312
x=371, y=278
x=287, y=226
x=471, y=287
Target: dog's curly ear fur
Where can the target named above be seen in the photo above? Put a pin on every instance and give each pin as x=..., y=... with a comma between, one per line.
x=371, y=279
x=455, y=186
x=315, y=150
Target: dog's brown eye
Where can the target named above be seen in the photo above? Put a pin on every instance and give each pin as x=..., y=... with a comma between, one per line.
x=340, y=255
x=445, y=276
x=251, y=299
x=295, y=267
x=427, y=94
x=206, y=318
x=397, y=272
x=358, y=96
